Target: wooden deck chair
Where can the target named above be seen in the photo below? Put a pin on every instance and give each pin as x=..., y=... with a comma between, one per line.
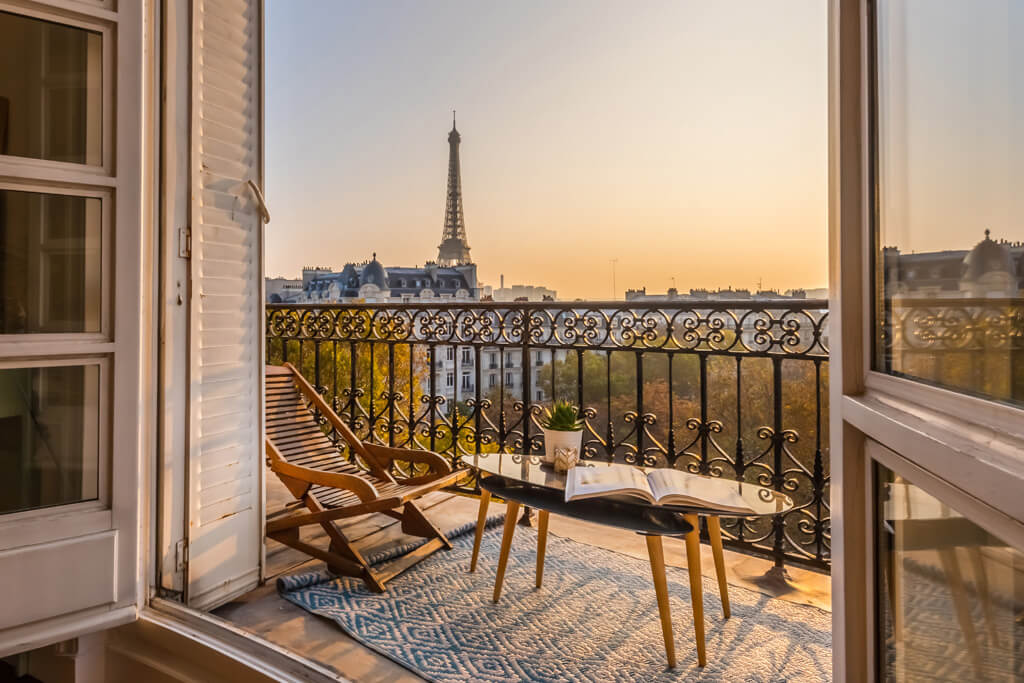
x=308, y=463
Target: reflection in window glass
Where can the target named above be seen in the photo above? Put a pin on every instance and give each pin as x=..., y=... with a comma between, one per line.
x=950, y=594
x=49, y=449
x=49, y=263
x=950, y=150
x=50, y=106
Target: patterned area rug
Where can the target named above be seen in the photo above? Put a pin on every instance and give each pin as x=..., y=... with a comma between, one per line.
x=595, y=619
x=934, y=646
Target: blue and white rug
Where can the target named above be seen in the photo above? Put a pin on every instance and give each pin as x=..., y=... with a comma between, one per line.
x=595, y=619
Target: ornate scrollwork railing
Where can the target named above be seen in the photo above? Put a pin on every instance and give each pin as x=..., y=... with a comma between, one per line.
x=972, y=345
x=735, y=389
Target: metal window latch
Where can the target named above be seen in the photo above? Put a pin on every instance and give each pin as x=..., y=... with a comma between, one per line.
x=180, y=555
x=185, y=242
x=259, y=200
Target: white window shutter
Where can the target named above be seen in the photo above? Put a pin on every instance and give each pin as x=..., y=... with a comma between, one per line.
x=225, y=508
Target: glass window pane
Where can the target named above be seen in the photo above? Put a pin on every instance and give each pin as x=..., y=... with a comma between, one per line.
x=49, y=263
x=950, y=155
x=950, y=594
x=49, y=426
x=50, y=106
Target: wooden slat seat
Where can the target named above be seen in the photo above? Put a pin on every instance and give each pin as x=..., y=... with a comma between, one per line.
x=334, y=487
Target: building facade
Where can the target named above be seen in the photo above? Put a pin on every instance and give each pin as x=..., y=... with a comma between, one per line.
x=728, y=294
x=372, y=282
x=522, y=293
x=990, y=269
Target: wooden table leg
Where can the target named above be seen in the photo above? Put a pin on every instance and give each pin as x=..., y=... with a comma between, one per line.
x=657, y=555
x=981, y=583
x=511, y=512
x=696, y=587
x=715, y=534
x=481, y=522
x=894, y=584
x=542, y=543
x=955, y=582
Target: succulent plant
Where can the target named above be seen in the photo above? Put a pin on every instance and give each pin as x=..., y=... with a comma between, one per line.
x=562, y=418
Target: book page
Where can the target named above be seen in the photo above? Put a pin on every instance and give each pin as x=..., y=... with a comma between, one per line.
x=674, y=487
x=588, y=482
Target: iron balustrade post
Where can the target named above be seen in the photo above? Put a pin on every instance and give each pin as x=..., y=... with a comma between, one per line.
x=373, y=396
x=554, y=390
x=432, y=352
x=579, y=381
x=526, y=384
x=640, y=459
x=391, y=394
x=317, y=383
x=456, y=385
x=477, y=408
x=410, y=418
x=671, y=456
x=453, y=410
x=352, y=404
x=818, y=476
x=778, y=478
x=609, y=446
x=704, y=466
x=502, y=434
x=739, y=467
x=334, y=382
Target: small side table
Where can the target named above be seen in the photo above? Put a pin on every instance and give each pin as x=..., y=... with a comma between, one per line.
x=525, y=480
x=714, y=535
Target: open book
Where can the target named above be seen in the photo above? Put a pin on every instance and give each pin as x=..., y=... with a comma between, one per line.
x=659, y=487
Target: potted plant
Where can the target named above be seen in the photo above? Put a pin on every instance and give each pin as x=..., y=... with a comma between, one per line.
x=562, y=429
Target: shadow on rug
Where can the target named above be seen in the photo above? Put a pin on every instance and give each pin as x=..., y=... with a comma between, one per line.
x=595, y=619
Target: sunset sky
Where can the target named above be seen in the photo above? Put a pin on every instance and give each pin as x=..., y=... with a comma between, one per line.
x=687, y=139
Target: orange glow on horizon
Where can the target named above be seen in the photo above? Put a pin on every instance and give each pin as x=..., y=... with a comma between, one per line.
x=685, y=139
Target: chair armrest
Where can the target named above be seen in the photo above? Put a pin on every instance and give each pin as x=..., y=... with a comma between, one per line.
x=385, y=454
x=336, y=480
x=429, y=478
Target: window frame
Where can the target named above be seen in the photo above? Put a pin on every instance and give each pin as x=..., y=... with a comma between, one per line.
x=90, y=19
x=123, y=348
x=101, y=341
x=29, y=527
x=987, y=412
x=975, y=413
x=956, y=445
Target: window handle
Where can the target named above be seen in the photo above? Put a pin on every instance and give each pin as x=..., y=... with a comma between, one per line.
x=259, y=200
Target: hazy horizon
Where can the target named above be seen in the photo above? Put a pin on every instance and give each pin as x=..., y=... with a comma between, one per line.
x=687, y=140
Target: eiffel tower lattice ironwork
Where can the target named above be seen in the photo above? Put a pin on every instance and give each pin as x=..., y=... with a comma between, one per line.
x=454, y=249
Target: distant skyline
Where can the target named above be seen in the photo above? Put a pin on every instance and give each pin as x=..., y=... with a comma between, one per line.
x=685, y=139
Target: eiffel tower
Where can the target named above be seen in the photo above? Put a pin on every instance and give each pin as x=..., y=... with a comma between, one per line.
x=454, y=250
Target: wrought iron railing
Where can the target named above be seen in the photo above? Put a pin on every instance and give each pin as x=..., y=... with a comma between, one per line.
x=736, y=389
x=969, y=345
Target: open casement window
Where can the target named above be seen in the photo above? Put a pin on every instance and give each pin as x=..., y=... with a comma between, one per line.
x=927, y=287
x=74, y=318
x=211, y=529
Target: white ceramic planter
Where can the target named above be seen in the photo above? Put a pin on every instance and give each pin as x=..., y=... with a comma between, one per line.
x=555, y=439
